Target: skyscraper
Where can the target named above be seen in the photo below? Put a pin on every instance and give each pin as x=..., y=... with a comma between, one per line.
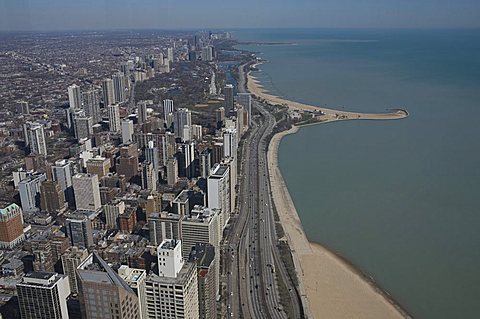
x=87, y=192
x=173, y=293
x=103, y=293
x=83, y=127
x=74, y=97
x=149, y=176
x=183, y=117
x=99, y=166
x=114, y=118
x=11, y=226
x=112, y=211
x=170, y=54
x=172, y=171
x=108, y=92
x=29, y=189
x=142, y=112
x=167, y=108
x=91, y=104
x=70, y=261
x=79, y=231
x=164, y=225
x=205, y=163
x=127, y=131
x=152, y=155
x=43, y=295
x=204, y=257
x=245, y=100
x=228, y=93
x=119, y=87
x=35, y=138
x=52, y=197
x=218, y=190
x=230, y=143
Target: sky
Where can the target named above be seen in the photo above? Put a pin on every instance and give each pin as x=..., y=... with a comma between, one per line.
x=46, y=15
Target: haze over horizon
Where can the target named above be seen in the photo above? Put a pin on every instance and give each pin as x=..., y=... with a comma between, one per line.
x=58, y=15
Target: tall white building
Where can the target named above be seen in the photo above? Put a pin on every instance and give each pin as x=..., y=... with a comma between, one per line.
x=114, y=118
x=167, y=108
x=108, y=92
x=62, y=174
x=119, y=87
x=127, y=131
x=43, y=295
x=218, y=191
x=29, y=189
x=173, y=293
x=183, y=117
x=170, y=55
x=87, y=192
x=74, y=97
x=35, y=138
x=230, y=143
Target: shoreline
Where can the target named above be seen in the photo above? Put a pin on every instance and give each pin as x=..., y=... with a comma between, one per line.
x=330, y=286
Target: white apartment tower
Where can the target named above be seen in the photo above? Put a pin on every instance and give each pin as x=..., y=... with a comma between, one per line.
x=218, y=191
x=35, y=138
x=127, y=131
x=74, y=97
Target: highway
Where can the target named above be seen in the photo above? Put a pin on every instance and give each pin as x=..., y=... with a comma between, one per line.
x=250, y=257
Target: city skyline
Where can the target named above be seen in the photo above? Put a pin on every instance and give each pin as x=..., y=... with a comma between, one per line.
x=55, y=15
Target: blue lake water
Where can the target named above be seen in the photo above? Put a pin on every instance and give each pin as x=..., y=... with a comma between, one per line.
x=397, y=198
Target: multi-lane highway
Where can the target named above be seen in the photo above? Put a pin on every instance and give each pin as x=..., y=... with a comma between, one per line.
x=251, y=260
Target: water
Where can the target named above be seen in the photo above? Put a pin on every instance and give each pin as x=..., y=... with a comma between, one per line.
x=397, y=198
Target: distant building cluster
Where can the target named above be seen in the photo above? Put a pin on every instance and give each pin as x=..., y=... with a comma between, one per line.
x=119, y=210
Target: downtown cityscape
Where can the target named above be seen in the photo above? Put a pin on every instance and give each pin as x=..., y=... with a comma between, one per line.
x=134, y=180
x=215, y=159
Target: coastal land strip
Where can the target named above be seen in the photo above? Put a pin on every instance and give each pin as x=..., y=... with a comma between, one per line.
x=330, y=286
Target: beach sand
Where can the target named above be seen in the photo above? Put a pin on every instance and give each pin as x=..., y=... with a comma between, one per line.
x=329, y=286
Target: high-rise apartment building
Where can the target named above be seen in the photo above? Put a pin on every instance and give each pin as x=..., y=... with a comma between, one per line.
x=149, y=176
x=74, y=97
x=183, y=117
x=127, y=131
x=73, y=257
x=87, y=191
x=172, y=171
x=114, y=118
x=108, y=92
x=43, y=295
x=218, y=191
x=11, y=226
x=52, y=198
x=103, y=293
x=245, y=100
x=29, y=189
x=204, y=257
x=167, y=108
x=119, y=87
x=91, y=104
x=99, y=166
x=79, y=231
x=173, y=293
x=142, y=112
x=228, y=92
x=83, y=127
x=112, y=211
x=230, y=143
x=35, y=138
x=164, y=226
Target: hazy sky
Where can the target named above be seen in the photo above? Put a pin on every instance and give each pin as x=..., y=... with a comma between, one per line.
x=114, y=14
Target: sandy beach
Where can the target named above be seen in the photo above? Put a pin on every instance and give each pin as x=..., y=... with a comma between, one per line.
x=330, y=287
